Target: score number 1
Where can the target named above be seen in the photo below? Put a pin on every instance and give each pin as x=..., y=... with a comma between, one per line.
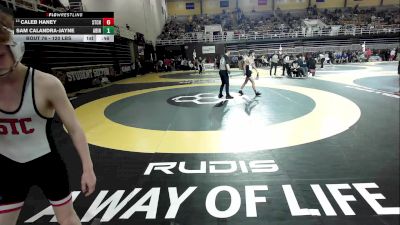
x=108, y=26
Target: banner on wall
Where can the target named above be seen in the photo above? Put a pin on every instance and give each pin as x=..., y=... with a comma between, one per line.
x=74, y=75
x=224, y=4
x=208, y=66
x=292, y=1
x=262, y=2
x=208, y=49
x=78, y=78
x=126, y=68
x=189, y=5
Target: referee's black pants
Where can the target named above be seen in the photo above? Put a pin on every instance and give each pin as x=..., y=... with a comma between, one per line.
x=224, y=82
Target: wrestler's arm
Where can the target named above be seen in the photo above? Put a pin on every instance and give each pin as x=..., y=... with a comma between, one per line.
x=63, y=107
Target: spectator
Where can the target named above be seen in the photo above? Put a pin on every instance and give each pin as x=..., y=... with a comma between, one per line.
x=312, y=65
x=286, y=65
x=201, y=65
x=392, y=54
x=167, y=64
x=104, y=81
x=303, y=66
x=159, y=66
x=295, y=68
x=322, y=59
x=327, y=59
x=274, y=63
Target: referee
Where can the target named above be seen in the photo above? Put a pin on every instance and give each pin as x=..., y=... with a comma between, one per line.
x=224, y=70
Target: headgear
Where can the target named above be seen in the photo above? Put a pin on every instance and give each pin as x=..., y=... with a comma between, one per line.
x=17, y=50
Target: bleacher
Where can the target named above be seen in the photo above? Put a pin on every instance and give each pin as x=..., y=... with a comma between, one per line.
x=310, y=45
x=384, y=22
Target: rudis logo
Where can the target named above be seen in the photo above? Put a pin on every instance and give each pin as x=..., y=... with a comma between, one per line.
x=213, y=167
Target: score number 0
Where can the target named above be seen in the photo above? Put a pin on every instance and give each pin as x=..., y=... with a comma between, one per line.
x=108, y=21
x=108, y=25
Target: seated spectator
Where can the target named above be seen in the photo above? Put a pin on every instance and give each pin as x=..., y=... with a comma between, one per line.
x=167, y=64
x=96, y=82
x=191, y=65
x=159, y=66
x=392, y=54
x=303, y=66
x=344, y=57
x=295, y=69
x=104, y=81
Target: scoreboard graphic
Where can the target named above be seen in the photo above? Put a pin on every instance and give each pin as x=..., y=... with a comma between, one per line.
x=64, y=27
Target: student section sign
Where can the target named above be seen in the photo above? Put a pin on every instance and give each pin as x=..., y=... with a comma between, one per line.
x=78, y=78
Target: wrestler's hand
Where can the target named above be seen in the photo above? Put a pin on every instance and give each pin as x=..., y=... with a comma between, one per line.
x=88, y=182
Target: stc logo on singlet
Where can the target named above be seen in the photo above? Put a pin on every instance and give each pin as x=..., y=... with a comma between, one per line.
x=15, y=126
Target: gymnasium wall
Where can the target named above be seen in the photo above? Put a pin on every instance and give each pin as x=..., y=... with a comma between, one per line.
x=363, y=3
x=249, y=5
x=213, y=6
x=178, y=7
x=391, y=2
x=328, y=4
x=352, y=3
x=291, y=4
x=147, y=17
